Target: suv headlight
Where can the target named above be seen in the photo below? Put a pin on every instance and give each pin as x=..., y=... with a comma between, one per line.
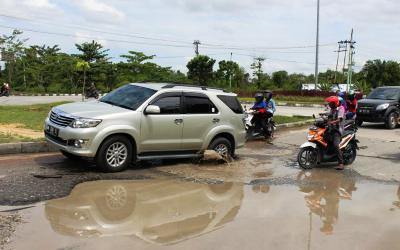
x=85, y=123
x=382, y=106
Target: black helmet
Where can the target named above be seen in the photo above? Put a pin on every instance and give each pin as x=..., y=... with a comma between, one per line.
x=259, y=97
x=268, y=95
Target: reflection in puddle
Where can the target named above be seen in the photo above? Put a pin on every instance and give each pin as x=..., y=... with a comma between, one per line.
x=324, y=189
x=397, y=202
x=163, y=212
x=323, y=209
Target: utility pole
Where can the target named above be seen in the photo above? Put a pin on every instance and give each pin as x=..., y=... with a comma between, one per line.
x=196, y=46
x=317, y=48
x=230, y=75
x=342, y=48
x=349, y=69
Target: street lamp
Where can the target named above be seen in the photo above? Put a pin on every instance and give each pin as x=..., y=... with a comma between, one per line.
x=317, y=48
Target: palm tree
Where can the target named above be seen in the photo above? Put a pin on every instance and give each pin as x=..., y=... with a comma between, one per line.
x=83, y=66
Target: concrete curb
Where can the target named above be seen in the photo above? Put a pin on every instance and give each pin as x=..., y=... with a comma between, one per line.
x=44, y=147
x=26, y=147
x=50, y=94
x=295, y=124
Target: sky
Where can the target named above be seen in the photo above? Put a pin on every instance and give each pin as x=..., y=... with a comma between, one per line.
x=282, y=31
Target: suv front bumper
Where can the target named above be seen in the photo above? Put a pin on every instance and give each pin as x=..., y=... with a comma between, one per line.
x=65, y=140
x=371, y=115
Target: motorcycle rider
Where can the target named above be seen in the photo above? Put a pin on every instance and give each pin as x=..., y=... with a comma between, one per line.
x=270, y=103
x=352, y=103
x=260, y=112
x=5, y=89
x=342, y=100
x=335, y=130
x=92, y=91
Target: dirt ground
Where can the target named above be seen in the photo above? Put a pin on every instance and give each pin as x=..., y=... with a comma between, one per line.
x=17, y=129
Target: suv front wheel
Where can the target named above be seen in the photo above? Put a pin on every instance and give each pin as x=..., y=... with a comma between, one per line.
x=115, y=154
x=222, y=146
x=391, y=120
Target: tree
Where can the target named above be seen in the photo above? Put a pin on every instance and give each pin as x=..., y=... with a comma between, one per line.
x=279, y=78
x=229, y=71
x=380, y=73
x=92, y=51
x=12, y=47
x=201, y=69
x=83, y=66
x=258, y=72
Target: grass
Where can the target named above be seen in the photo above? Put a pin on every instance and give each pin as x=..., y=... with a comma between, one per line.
x=289, y=119
x=291, y=99
x=31, y=117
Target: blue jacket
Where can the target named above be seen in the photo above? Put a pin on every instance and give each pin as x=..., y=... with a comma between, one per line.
x=271, y=107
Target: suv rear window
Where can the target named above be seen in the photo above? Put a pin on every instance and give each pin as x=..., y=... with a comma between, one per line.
x=232, y=102
x=199, y=105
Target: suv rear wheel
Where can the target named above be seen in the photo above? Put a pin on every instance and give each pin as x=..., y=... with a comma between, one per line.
x=391, y=120
x=222, y=146
x=115, y=154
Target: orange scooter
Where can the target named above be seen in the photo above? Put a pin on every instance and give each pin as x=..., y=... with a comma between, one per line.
x=317, y=150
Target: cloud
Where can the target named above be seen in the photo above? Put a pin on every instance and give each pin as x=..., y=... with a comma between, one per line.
x=98, y=10
x=30, y=8
x=39, y=4
x=82, y=37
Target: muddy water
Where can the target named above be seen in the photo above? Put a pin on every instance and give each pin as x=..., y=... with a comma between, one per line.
x=323, y=209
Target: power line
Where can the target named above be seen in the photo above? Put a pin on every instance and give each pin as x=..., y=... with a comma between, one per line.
x=206, y=45
x=95, y=38
x=96, y=30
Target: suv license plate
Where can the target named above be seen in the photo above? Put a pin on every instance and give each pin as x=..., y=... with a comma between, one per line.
x=52, y=130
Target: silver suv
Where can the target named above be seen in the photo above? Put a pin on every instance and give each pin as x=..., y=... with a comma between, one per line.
x=148, y=121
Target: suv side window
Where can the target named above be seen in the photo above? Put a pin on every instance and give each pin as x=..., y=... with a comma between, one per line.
x=199, y=104
x=169, y=104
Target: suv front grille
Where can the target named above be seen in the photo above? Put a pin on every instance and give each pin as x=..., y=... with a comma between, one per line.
x=60, y=120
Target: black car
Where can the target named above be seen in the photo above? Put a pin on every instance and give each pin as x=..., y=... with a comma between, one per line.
x=381, y=105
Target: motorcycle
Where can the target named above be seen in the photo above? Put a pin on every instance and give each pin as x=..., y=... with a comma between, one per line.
x=92, y=94
x=253, y=131
x=317, y=150
x=5, y=92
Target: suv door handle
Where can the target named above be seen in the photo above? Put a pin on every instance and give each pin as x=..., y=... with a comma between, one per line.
x=178, y=121
x=215, y=120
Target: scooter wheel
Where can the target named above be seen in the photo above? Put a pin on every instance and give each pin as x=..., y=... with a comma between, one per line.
x=307, y=157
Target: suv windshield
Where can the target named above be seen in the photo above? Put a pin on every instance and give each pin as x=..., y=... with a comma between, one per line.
x=128, y=96
x=385, y=94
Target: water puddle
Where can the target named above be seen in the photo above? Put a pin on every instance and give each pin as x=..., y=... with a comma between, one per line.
x=322, y=209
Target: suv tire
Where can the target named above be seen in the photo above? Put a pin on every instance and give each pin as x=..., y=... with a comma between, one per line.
x=391, y=121
x=115, y=154
x=222, y=146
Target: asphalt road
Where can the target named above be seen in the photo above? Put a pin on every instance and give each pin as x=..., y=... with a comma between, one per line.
x=262, y=200
x=29, y=100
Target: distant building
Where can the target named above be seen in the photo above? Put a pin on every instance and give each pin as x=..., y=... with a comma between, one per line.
x=334, y=87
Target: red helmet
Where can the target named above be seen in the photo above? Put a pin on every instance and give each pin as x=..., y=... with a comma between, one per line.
x=333, y=99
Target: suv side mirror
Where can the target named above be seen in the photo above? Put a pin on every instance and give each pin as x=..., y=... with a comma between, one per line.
x=152, y=109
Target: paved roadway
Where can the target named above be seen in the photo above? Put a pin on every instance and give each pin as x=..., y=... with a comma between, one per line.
x=265, y=200
x=29, y=100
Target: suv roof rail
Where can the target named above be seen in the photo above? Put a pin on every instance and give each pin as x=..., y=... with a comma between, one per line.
x=173, y=85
